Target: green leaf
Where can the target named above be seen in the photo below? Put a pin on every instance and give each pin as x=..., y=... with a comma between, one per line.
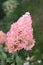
x=9, y=60
x=4, y=55
x=12, y=64
x=2, y=62
x=18, y=60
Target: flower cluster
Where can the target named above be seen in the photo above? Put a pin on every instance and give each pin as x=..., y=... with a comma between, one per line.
x=2, y=37
x=10, y=5
x=20, y=35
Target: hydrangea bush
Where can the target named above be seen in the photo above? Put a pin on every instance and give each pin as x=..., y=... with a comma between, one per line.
x=18, y=38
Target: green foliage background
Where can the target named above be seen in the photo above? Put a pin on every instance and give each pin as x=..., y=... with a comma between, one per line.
x=35, y=7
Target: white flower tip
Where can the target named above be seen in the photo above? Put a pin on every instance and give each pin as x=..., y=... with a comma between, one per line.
x=39, y=61
x=26, y=63
x=28, y=58
x=27, y=13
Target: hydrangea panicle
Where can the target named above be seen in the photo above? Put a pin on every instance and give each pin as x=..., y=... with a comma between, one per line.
x=20, y=35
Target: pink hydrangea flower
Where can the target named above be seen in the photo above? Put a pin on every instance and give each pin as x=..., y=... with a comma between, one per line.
x=2, y=37
x=20, y=34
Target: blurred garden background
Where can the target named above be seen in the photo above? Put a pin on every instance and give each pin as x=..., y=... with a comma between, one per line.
x=11, y=10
